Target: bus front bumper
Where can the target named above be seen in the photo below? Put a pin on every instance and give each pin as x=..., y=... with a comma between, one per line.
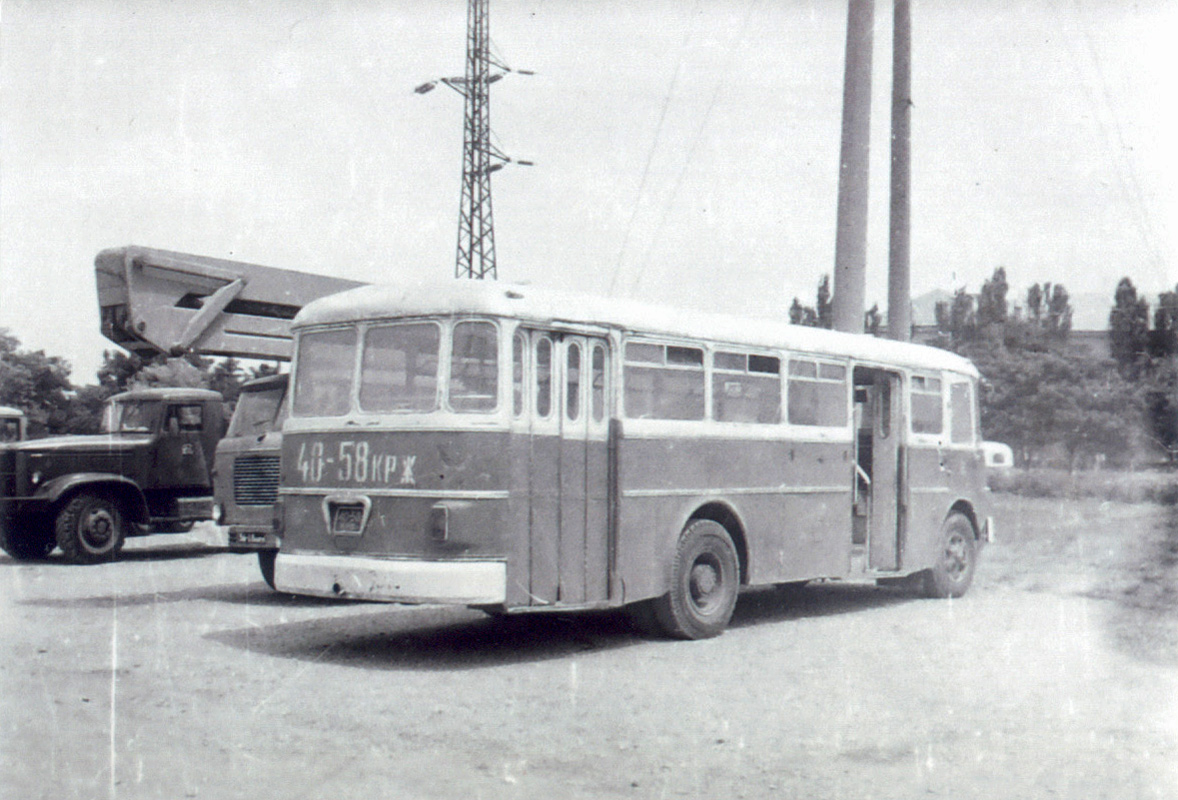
x=392, y=580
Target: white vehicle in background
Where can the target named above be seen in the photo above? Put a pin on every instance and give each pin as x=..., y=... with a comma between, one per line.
x=997, y=455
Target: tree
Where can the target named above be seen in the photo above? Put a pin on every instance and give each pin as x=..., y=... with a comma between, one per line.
x=226, y=377
x=1059, y=312
x=820, y=315
x=1128, y=328
x=1163, y=339
x=992, y=309
x=35, y=383
x=873, y=320
x=825, y=307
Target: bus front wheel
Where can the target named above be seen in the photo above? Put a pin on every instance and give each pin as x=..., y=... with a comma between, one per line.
x=957, y=557
x=704, y=580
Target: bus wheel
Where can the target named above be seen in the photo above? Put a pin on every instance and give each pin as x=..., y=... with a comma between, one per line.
x=266, y=564
x=705, y=580
x=90, y=529
x=957, y=557
x=25, y=541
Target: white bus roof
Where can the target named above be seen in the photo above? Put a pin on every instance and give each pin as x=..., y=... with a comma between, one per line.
x=547, y=306
x=9, y=411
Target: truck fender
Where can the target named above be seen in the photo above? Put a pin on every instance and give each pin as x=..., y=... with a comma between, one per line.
x=134, y=505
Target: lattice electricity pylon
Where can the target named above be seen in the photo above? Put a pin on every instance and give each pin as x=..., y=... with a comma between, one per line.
x=476, y=225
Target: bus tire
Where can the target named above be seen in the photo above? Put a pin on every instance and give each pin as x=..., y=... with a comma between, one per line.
x=266, y=560
x=704, y=580
x=90, y=528
x=26, y=541
x=957, y=558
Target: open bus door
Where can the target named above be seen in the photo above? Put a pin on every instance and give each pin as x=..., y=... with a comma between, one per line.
x=880, y=501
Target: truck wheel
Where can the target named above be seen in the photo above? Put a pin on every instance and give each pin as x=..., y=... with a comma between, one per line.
x=705, y=579
x=266, y=564
x=26, y=541
x=90, y=529
x=956, y=559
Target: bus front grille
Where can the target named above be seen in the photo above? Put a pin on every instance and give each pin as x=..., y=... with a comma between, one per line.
x=255, y=480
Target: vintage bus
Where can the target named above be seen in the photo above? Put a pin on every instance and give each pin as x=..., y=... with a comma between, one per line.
x=514, y=449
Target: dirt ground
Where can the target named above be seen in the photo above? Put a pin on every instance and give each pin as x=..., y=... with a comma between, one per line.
x=175, y=673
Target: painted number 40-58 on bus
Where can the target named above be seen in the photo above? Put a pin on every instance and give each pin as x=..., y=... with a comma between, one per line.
x=354, y=462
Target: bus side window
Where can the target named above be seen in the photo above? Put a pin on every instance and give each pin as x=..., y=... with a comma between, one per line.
x=927, y=409
x=664, y=382
x=573, y=382
x=518, y=348
x=746, y=388
x=597, y=393
x=544, y=377
x=960, y=414
x=817, y=393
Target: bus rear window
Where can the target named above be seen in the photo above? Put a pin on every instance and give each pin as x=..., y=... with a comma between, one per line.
x=323, y=386
x=664, y=382
x=817, y=393
x=400, y=368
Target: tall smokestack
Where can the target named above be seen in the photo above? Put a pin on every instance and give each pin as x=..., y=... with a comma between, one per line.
x=899, y=246
x=850, y=249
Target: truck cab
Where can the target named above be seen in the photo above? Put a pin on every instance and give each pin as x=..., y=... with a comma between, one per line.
x=245, y=480
x=149, y=471
x=13, y=425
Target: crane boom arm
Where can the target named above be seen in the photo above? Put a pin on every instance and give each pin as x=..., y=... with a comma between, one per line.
x=158, y=301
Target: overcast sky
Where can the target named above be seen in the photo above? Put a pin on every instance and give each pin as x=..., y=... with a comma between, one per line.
x=684, y=151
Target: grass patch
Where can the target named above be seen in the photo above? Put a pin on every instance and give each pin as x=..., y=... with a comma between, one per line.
x=1119, y=487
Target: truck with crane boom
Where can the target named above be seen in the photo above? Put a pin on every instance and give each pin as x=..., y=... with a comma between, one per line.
x=160, y=463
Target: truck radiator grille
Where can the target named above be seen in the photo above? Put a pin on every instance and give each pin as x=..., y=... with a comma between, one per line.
x=255, y=480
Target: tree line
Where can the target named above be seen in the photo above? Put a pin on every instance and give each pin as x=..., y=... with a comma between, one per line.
x=1053, y=402
x=40, y=385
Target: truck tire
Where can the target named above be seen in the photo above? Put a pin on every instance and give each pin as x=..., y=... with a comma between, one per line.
x=91, y=528
x=26, y=541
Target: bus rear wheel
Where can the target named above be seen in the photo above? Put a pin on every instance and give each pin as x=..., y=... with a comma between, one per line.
x=957, y=558
x=90, y=528
x=705, y=581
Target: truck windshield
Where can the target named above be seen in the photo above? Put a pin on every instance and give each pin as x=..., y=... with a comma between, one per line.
x=130, y=417
x=9, y=429
x=257, y=412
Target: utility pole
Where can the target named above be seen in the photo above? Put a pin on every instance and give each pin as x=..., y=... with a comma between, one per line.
x=850, y=248
x=899, y=246
x=476, y=224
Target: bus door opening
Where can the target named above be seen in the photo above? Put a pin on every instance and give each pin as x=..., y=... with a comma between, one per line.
x=876, y=515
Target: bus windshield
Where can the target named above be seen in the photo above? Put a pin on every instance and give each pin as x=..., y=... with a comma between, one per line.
x=257, y=412
x=401, y=368
x=130, y=417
